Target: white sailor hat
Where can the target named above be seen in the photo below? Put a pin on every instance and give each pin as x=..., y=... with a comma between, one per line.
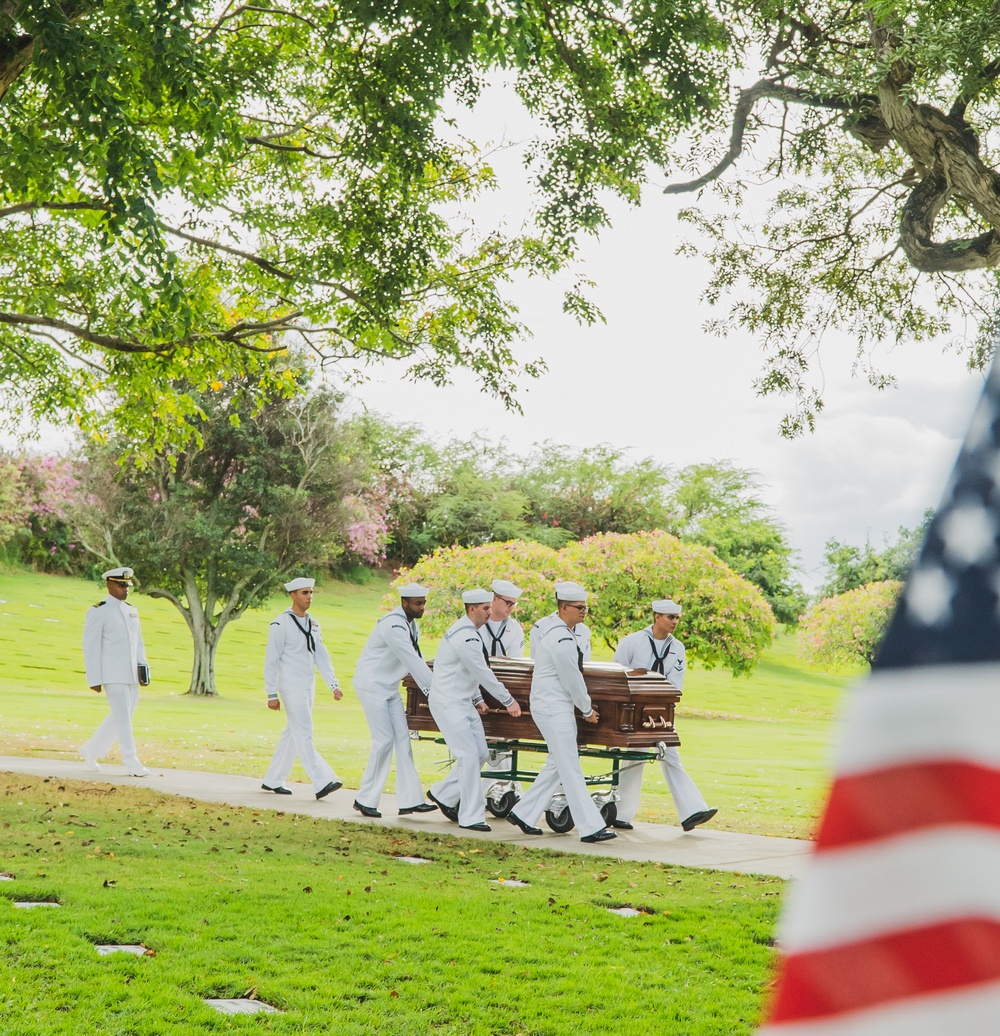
x=570, y=592
x=666, y=607
x=119, y=575
x=412, y=590
x=505, y=588
x=300, y=584
x=477, y=596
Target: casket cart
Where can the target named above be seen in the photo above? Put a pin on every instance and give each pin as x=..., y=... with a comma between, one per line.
x=635, y=726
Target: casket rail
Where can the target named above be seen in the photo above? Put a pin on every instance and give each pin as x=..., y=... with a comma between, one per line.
x=636, y=709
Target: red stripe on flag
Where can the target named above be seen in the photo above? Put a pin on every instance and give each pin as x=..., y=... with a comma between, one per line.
x=893, y=967
x=882, y=803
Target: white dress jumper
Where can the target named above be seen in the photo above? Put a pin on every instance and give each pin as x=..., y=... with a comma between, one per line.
x=295, y=649
x=389, y=654
x=640, y=651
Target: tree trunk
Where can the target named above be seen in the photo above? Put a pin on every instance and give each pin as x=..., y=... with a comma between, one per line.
x=205, y=640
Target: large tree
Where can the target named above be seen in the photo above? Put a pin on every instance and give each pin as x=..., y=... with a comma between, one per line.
x=868, y=128
x=214, y=528
x=187, y=184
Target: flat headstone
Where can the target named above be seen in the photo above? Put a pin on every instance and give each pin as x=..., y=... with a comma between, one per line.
x=242, y=1006
x=412, y=859
x=109, y=948
x=25, y=905
x=625, y=911
x=509, y=881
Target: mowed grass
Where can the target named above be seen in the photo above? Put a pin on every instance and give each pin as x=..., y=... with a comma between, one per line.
x=322, y=920
x=758, y=747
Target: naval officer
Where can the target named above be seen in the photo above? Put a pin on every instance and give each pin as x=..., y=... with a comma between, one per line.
x=295, y=649
x=501, y=633
x=655, y=649
x=456, y=702
x=392, y=651
x=557, y=691
x=113, y=653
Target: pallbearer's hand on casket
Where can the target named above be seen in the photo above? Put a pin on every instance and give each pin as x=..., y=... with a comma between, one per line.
x=592, y=718
x=482, y=708
x=637, y=672
x=514, y=709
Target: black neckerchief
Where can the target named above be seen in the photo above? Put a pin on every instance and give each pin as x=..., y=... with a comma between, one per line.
x=414, y=637
x=306, y=632
x=497, y=642
x=657, y=666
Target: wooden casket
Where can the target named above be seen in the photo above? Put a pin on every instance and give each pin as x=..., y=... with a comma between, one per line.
x=636, y=709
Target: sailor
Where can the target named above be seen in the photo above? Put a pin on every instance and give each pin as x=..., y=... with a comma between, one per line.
x=581, y=630
x=501, y=633
x=392, y=651
x=655, y=649
x=295, y=649
x=456, y=702
x=557, y=691
x=115, y=659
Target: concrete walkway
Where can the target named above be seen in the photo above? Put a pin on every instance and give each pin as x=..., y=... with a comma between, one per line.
x=703, y=847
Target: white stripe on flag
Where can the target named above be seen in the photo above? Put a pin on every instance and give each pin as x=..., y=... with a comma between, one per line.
x=932, y=875
x=898, y=716
x=969, y=1012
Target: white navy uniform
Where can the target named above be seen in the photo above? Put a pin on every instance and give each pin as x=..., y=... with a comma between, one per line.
x=581, y=629
x=392, y=651
x=295, y=649
x=112, y=652
x=557, y=691
x=503, y=639
x=460, y=667
x=640, y=651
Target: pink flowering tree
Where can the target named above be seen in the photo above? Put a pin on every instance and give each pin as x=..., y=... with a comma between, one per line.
x=845, y=631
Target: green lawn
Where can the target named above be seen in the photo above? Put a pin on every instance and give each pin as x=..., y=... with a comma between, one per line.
x=756, y=746
x=321, y=920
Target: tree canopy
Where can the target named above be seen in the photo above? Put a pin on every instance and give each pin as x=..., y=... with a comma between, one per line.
x=845, y=631
x=188, y=186
x=216, y=527
x=871, y=127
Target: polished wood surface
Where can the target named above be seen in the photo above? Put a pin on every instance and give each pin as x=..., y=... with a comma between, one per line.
x=636, y=708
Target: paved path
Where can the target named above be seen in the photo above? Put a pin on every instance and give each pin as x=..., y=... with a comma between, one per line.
x=703, y=847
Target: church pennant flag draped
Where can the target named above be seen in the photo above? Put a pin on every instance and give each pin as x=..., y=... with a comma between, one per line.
x=894, y=929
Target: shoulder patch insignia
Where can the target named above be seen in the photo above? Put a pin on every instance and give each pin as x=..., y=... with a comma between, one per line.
x=100, y=604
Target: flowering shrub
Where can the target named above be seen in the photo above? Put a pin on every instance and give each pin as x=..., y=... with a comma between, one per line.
x=845, y=631
x=368, y=529
x=37, y=496
x=450, y=570
x=727, y=620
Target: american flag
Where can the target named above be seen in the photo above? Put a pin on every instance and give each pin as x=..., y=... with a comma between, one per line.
x=894, y=930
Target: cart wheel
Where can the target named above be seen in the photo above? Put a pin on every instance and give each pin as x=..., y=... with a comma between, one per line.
x=560, y=822
x=502, y=806
x=610, y=812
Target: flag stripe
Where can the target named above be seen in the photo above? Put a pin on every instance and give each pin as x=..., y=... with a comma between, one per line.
x=973, y=1011
x=898, y=717
x=880, y=804
x=909, y=881
x=952, y=954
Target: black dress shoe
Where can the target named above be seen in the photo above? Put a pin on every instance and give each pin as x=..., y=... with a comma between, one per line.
x=450, y=812
x=622, y=825
x=476, y=827
x=277, y=791
x=526, y=828
x=698, y=818
x=604, y=835
x=423, y=807
x=332, y=786
x=366, y=811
